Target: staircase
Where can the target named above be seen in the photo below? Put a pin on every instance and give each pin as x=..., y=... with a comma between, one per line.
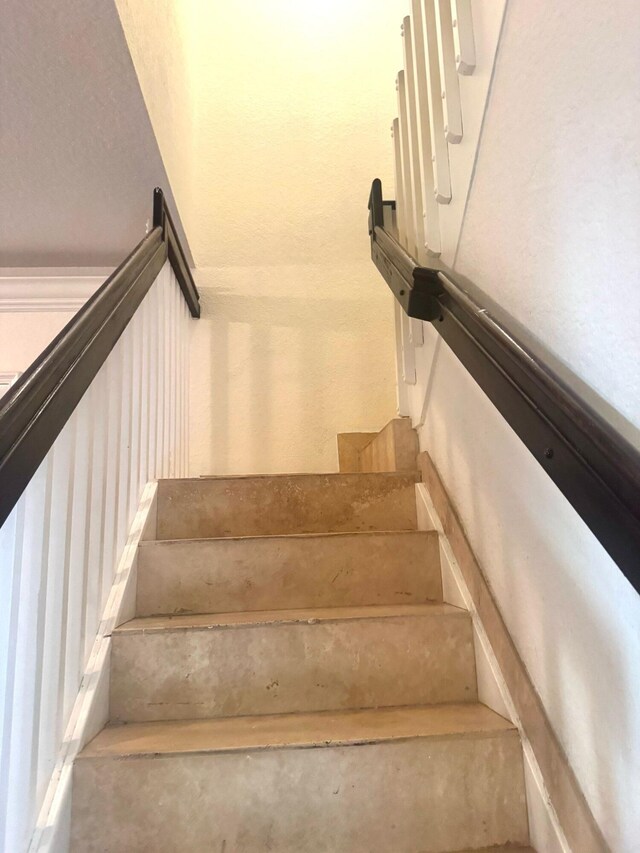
x=293, y=681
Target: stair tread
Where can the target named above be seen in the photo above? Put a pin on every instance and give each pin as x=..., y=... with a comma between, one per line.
x=344, y=534
x=205, y=621
x=333, y=474
x=279, y=731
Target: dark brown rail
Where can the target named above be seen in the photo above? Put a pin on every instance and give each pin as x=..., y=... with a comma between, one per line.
x=36, y=408
x=594, y=466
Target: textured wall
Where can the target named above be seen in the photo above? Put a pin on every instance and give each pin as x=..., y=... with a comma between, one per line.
x=158, y=36
x=291, y=106
x=551, y=234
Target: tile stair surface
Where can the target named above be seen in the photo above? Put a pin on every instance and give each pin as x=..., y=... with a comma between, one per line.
x=293, y=681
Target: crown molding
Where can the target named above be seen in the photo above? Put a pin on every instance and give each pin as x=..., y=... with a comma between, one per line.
x=46, y=292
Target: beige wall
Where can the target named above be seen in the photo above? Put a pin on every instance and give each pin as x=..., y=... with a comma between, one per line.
x=290, y=105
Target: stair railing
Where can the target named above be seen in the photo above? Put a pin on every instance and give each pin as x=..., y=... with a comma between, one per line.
x=594, y=466
x=100, y=412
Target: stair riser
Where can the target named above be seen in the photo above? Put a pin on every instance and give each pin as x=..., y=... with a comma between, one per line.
x=431, y=795
x=281, y=668
x=394, y=448
x=232, y=575
x=265, y=506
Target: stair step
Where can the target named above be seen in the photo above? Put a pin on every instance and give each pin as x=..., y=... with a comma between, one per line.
x=432, y=779
x=269, y=662
x=277, y=572
x=284, y=504
x=394, y=448
x=284, y=731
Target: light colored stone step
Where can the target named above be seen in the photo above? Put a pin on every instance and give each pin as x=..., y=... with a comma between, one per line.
x=279, y=572
x=237, y=664
x=283, y=504
x=400, y=779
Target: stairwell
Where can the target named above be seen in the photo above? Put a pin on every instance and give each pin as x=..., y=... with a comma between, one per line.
x=293, y=680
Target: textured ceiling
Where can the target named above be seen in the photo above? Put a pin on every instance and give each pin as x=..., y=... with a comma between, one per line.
x=78, y=156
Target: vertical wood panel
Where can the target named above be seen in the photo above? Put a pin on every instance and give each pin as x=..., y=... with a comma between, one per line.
x=133, y=463
x=402, y=390
x=111, y=474
x=179, y=391
x=11, y=543
x=166, y=378
x=408, y=352
x=125, y=394
x=17, y=760
x=97, y=507
x=77, y=569
x=186, y=326
x=60, y=546
x=54, y=567
x=47, y=590
x=152, y=379
x=161, y=403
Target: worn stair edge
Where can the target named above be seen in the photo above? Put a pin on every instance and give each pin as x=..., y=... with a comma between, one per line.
x=502, y=849
x=337, y=475
x=299, y=616
x=296, y=731
x=327, y=534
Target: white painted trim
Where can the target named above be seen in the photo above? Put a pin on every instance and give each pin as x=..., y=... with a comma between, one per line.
x=91, y=709
x=47, y=293
x=544, y=827
x=9, y=377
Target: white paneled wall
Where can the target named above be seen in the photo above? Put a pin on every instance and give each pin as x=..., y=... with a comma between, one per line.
x=449, y=49
x=60, y=545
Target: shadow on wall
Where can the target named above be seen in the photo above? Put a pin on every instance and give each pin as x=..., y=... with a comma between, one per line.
x=275, y=378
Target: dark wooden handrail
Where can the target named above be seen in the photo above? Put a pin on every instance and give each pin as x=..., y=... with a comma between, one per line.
x=594, y=466
x=38, y=405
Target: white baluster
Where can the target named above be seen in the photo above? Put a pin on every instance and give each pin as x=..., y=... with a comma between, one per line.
x=409, y=205
x=400, y=203
x=431, y=211
x=463, y=42
x=452, y=113
x=414, y=144
x=408, y=352
x=402, y=390
x=439, y=150
x=24, y=750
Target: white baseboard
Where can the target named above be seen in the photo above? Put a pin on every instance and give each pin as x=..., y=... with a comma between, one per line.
x=91, y=709
x=544, y=827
